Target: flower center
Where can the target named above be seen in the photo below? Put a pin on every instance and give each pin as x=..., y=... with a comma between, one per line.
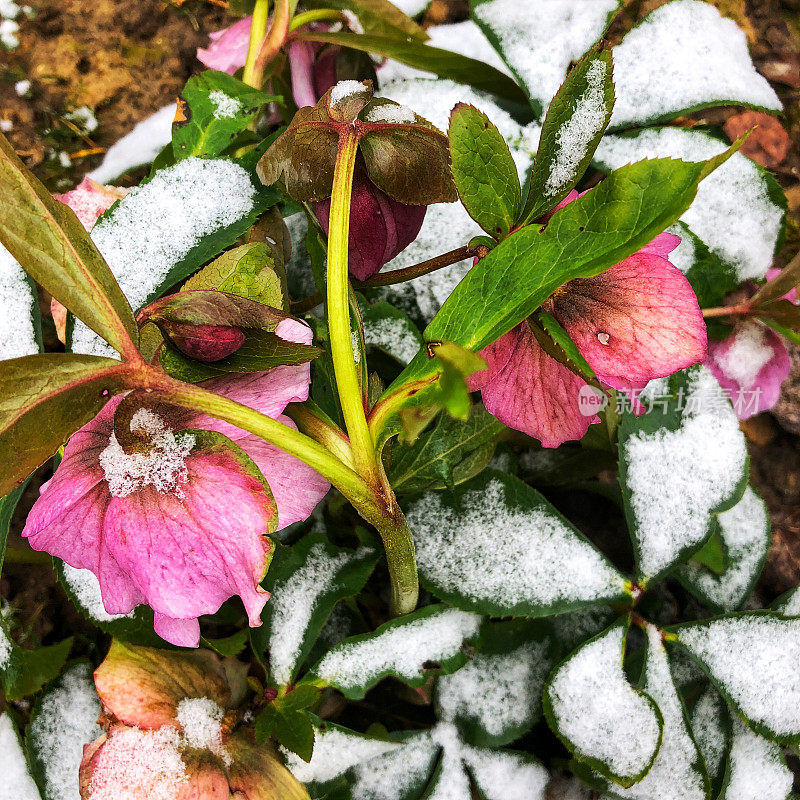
x=162, y=465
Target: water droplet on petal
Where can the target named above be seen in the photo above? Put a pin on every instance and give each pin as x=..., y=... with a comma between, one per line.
x=603, y=337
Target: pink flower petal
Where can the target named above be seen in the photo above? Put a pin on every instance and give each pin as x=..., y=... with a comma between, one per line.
x=636, y=321
x=750, y=365
x=89, y=200
x=180, y=632
x=533, y=393
x=228, y=49
x=296, y=487
x=662, y=245
x=187, y=555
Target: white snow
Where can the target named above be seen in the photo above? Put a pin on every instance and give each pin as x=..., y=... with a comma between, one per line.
x=757, y=768
x=412, y=7
x=683, y=256
x=8, y=34
x=709, y=731
x=225, y=107
x=83, y=583
x=201, y=720
x=138, y=147
x=539, y=559
x=790, y=606
x=293, y=603
x=132, y=758
x=598, y=711
x=162, y=466
x=452, y=782
x=67, y=721
x=745, y=532
x=392, y=775
x=672, y=775
x=84, y=118
x=6, y=648
x=395, y=115
x=6, y=125
x=22, y=87
x=506, y=776
x=676, y=478
x=17, y=783
x=397, y=336
x=9, y=9
x=754, y=657
x=748, y=355
x=17, y=307
x=732, y=213
x=496, y=691
x=157, y=224
x=402, y=650
x=575, y=136
x=345, y=90
x=685, y=54
x=539, y=40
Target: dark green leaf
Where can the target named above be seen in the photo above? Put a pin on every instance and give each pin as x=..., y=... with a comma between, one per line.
x=295, y=731
x=443, y=63
x=450, y=453
x=713, y=555
x=8, y=505
x=575, y=122
x=24, y=672
x=230, y=646
x=215, y=107
x=44, y=399
x=484, y=172
x=569, y=353
x=53, y=247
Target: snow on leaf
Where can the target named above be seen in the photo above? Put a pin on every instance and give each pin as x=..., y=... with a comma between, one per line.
x=745, y=533
x=789, y=603
x=680, y=463
x=676, y=772
x=17, y=781
x=752, y=659
x=19, y=310
x=738, y=211
x=756, y=768
x=63, y=721
x=540, y=565
x=501, y=775
x=684, y=56
x=404, y=647
x=539, y=40
x=710, y=726
x=157, y=225
x=598, y=715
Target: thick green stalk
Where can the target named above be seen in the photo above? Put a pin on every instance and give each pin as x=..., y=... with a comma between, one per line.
x=258, y=30
x=344, y=366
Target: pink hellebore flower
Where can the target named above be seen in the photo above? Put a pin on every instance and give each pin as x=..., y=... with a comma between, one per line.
x=380, y=227
x=636, y=321
x=174, y=525
x=750, y=365
x=228, y=49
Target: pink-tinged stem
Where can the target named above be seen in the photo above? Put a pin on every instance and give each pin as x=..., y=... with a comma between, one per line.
x=301, y=61
x=728, y=311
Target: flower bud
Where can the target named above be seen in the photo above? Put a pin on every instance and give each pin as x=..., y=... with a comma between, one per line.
x=206, y=342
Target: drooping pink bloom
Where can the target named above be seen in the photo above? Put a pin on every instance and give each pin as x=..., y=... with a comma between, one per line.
x=636, y=321
x=313, y=68
x=380, y=227
x=179, y=522
x=228, y=49
x=750, y=365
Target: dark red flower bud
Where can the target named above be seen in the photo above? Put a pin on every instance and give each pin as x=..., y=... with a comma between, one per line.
x=206, y=342
x=380, y=227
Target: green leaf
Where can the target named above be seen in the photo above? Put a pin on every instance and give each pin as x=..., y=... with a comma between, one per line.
x=408, y=648
x=8, y=505
x=230, y=646
x=572, y=129
x=713, y=555
x=295, y=731
x=569, y=353
x=44, y=399
x=680, y=463
x=788, y=279
x=53, y=247
x=458, y=364
x=745, y=537
x=711, y=725
x=215, y=108
x=496, y=696
x=484, y=172
x=443, y=63
x=24, y=672
x=306, y=581
x=390, y=330
x=286, y=718
x=540, y=564
x=600, y=718
x=376, y=16
x=751, y=659
x=596, y=231
x=450, y=453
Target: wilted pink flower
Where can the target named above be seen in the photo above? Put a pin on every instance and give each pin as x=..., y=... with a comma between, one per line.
x=174, y=732
x=750, y=365
x=228, y=49
x=636, y=321
x=380, y=227
x=179, y=522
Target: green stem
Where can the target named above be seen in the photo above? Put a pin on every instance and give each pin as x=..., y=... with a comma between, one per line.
x=344, y=366
x=258, y=30
x=399, y=545
x=316, y=15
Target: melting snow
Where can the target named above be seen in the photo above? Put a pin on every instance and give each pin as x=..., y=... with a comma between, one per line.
x=225, y=107
x=201, y=720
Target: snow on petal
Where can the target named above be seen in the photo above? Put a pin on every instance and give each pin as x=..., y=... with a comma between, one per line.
x=89, y=200
x=751, y=365
x=636, y=321
x=733, y=213
x=227, y=51
x=684, y=55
